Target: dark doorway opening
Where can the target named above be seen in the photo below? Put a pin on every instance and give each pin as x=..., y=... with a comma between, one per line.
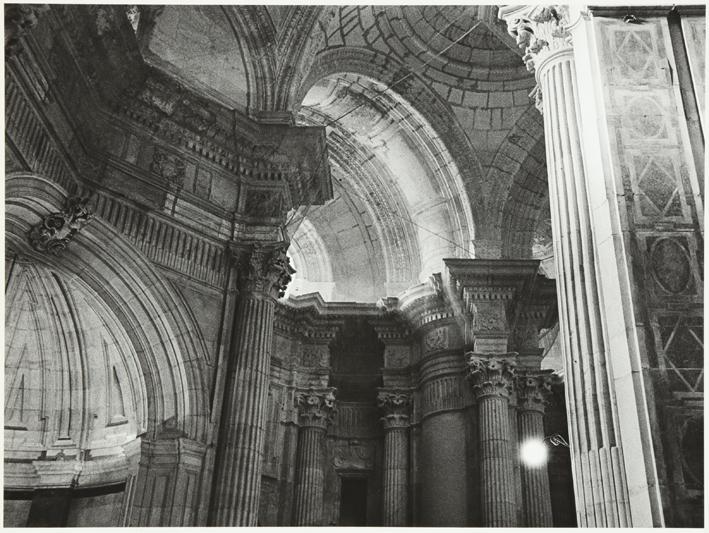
x=353, y=502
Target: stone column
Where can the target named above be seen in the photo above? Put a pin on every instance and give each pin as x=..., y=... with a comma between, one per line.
x=395, y=405
x=614, y=473
x=263, y=271
x=442, y=396
x=492, y=377
x=316, y=408
x=533, y=391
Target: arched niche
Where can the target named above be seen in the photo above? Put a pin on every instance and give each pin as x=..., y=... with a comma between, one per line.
x=97, y=313
x=73, y=384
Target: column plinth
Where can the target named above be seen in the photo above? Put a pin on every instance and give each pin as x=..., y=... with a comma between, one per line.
x=395, y=405
x=262, y=273
x=492, y=379
x=316, y=408
x=533, y=391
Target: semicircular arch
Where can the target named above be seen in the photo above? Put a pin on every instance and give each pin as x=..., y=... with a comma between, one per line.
x=407, y=86
x=171, y=353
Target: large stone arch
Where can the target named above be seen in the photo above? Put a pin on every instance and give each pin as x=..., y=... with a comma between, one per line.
x=422, y=99
x=256, y=34
x=171, y=354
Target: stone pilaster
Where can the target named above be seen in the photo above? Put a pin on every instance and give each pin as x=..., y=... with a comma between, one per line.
x=492, y=380
x=395, y=405
x=614, y=472
x=533, y=390
x=263, y=271
x=316, y=408
x=167, y=487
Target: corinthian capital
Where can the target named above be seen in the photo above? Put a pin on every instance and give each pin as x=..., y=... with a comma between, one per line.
x=264, y=268
x=395, y=405
x=316, y=407
x=491, y=376
x=534, y=390
x=538, y=30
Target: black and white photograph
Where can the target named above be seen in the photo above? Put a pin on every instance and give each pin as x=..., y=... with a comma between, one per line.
x=370, y=265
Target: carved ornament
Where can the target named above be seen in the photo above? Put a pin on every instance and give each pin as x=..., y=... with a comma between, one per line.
x=354, y=455
x=491, y=376
x=316, y=407
x=539, y=31
x=264, y=268
x=56, y=230
x=489, y=317
x=534, y=390
x=436, y=339
x=395, y=405
x=170, y=168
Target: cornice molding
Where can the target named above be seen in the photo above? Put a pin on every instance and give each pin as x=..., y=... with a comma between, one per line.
x=123, y=85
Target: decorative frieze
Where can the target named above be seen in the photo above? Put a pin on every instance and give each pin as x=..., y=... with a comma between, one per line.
x=491, y=376
x=316, y=407
x=57, y=230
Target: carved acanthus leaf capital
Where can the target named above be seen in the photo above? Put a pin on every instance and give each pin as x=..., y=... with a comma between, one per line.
x=539, y=30
x=264, y=268
x=56, y=230
x=534, y=390
x=395, y=405
x=316, y=407
x=491, y=376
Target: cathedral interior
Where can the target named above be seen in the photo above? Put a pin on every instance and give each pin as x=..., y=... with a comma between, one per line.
x=354, y=265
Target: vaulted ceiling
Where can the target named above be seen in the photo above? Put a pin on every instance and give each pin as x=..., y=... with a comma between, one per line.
x=435, y=147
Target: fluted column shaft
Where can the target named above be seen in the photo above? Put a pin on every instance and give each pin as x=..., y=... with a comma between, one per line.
x=532, y=394
x=492, y=383
x=395, y=405
x=601, y=478
x=316, y=408
x=396, y=473
x=263, y=274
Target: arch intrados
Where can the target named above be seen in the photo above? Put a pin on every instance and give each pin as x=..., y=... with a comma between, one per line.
x=438, y=116
x=165, y=342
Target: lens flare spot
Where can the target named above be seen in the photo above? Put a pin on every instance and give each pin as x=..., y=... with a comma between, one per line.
x=534, y=453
